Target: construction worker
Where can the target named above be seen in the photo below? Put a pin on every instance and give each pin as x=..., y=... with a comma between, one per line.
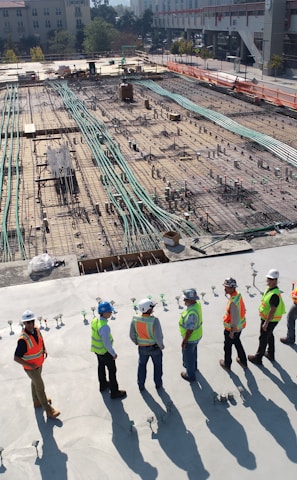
x=31, y=353
x=190, y=326
x=234, y=322
x=291, y=318
x=271, y=310
x=146, y=332
x=102, y=346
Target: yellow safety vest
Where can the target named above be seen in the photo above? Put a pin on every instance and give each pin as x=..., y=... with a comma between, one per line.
x=237, y=299
x=97, y=344
x=265, y=305
x=197, y=332
x=144, y=327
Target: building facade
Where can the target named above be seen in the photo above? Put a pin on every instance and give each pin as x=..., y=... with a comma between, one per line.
x=253, y=29
x=22, y=19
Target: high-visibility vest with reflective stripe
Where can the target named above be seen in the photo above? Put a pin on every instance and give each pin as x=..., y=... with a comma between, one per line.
x=144, y=328
x=265, y=305
x=197, y=332
x=97, y=344
x=237, y=299
x=35, y=351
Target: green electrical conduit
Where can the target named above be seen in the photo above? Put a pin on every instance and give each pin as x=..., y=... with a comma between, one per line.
x=280, y=149
x=138, y=228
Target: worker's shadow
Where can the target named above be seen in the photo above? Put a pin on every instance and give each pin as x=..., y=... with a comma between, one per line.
x=222, y=424
x=273, y=418
x=175, y=439
x=53, y=462
x=285, y=384
x=125, y=440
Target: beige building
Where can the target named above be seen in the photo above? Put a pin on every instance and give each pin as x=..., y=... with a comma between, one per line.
x=21, y=19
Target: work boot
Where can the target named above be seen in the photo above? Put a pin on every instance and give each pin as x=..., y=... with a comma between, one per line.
x=52, y=413
x=286, y=341
x=37, y=403
x=270, y=357
x=222, y=363
x=118, y=394
x=254, y=359
x=243, y=365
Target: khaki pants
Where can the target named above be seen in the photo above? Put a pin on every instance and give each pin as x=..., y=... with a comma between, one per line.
x=37, y=387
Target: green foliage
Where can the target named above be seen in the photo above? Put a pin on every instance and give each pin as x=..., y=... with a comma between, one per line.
x=174, y=48
x=105, y=12
x=36, y=54
x=100, y=36
x=9, y=56
x=276, y=62
x=127, y=22
x=62, y=42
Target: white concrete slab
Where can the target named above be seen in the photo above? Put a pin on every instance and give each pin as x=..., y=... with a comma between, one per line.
x=191, y=436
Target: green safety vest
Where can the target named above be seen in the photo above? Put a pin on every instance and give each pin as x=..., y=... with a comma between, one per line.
x=97, y=344
x=265, y=305
x=197, y=332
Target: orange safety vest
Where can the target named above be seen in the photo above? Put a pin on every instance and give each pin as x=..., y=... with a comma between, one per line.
x=144, y=327
x=237, y=299
x=294, y=295
x=35, y=351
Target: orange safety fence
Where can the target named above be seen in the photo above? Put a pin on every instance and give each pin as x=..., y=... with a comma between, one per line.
x=238, y=84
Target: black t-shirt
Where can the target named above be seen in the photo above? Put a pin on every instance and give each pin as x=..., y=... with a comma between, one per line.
x=274, y=300
x=21, y=348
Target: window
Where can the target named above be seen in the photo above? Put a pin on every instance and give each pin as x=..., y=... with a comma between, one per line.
x=46, y=12
x=58, y=11
x=5, y=13
x=19, y=12
x=77, y=12
x=20, y=27
x=78, y=23
x=34, y=12
x=59, y=24
x=47, y=24
x=7, y=27
x=35, y=24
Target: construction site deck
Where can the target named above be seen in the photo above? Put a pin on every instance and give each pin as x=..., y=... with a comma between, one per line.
x=182, y=172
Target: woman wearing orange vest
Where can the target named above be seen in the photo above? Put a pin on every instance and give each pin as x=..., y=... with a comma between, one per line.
x=30, y=353
x=234, y=322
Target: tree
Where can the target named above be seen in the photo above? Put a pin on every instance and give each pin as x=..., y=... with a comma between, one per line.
x=10, y=57
x=62, y=42
x=99, y=36
x=145, y=23
x=36, y=54
x=108, y=14
x=127, y=22
x=205, y=54
x=276, y=62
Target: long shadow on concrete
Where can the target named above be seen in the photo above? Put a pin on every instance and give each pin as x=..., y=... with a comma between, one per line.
x=222, y=424
x=273, y=418
x=53, y=462
x=126, y=442
x=174, y=438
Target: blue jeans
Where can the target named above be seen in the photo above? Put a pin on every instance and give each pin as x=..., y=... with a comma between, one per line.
x=190, y=359
x=144, y=353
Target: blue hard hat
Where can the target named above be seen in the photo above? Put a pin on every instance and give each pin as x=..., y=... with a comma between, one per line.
x=104, y=307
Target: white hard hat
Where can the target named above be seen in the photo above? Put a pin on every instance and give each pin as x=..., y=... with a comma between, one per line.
x=145, y=304
x=28, y=316
x=273, y=274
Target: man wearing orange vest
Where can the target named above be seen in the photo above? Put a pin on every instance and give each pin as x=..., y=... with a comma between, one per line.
x=271, y=310
x=146, y=332
x=291, y=319
x=234, y=323
x=30, y=353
